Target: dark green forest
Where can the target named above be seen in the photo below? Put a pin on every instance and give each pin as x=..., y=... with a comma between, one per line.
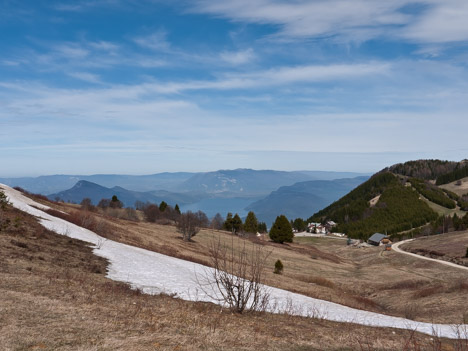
x=433, y=193
x=458, y=173
x=423, y=169
x=399, y=208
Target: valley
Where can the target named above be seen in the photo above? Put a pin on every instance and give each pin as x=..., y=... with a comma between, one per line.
x=324, y=280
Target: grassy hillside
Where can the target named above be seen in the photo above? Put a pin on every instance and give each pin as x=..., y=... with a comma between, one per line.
x=398, y=208
x=75, y=307
x=434, y=194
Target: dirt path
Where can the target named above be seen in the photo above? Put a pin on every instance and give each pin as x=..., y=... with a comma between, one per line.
x=396, y=247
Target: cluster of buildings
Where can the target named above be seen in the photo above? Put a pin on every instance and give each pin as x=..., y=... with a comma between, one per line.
x=320, y=228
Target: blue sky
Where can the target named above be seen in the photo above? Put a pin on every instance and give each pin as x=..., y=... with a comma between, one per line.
x=138, y=87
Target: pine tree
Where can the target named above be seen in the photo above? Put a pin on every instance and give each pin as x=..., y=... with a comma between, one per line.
x=177, y=209
x=237, y=223
x=228, y=222
x=115, y=202
x=278, y=267
x=3, y=200
x=251, y=223
x=281, y=230
x=162, y=206
x=262, y=227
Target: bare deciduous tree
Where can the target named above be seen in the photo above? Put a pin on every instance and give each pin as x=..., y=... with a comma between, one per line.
x=188, y=224
x=237, y=276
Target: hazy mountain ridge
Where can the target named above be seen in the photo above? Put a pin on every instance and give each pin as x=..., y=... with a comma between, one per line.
x=242, y=181
x=302, y=198
x=85, y=189
x=231, y=182
x=51, y=184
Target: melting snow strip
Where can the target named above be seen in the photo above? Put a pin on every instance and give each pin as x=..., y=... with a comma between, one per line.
x=155, y=273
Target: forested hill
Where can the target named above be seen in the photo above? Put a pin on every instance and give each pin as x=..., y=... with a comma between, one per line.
x=397, y=209
x=398, y=198
x=424, y=169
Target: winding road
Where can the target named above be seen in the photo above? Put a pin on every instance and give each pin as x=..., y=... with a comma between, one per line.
x=396, y=247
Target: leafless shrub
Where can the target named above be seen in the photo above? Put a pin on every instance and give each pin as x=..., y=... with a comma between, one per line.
x=152, y=212
x=87, y=204
x=458, y=286
x=432, y=290
x=411, y=311
x=406, y=284
x=317, y=280
x=236, y=278
x=217, y=222
x=188, y=225
x=131, y=214
x=83, y=219
x=100, y=243
x=368, y=303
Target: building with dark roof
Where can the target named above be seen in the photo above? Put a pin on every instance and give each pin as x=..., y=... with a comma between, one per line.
x=376, y=238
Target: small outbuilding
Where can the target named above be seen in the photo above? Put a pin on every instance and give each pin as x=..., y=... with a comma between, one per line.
x=376, y=239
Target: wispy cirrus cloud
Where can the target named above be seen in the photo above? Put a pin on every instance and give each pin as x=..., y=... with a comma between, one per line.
x=86, y=76
x=155, y=41
x=421, y=21
x=443, y=22
x=280, y=76
x=301, y=19
x=238, y=57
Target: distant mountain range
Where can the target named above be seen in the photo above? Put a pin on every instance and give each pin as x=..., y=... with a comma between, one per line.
x=55, y=183
x=84, y=189
x=238, y=181
x=296, y=194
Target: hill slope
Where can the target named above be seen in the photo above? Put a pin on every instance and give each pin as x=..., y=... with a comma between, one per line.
x=55, y=183
x=84, y=189
x=303, y=198
x=403, y=196
x=398, y=208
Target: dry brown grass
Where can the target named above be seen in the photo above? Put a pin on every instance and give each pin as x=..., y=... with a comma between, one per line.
x=366, y=278
x=54, y=296
x=317, y=280
x=457, y=189
x=451, y=245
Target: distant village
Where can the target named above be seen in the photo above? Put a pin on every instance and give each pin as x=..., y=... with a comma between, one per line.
x=319, y=229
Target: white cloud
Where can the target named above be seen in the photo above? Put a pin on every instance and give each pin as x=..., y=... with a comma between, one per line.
x=446, y=21
x=104, y=45
x=433, y=21
x=238, y=57
x=86, y=76
x=156, y=41
x=279, y=77
x=307, y=19
x=71, y=51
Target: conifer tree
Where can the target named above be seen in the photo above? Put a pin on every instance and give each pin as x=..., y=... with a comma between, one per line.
x=281, y=230
x=162, y=206
x=251, y=223
x=228, y=222
x=237, y=223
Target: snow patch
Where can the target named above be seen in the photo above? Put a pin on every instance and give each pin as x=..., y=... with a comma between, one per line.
x=155, y=273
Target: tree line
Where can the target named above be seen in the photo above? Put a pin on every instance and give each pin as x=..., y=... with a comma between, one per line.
x=433, y=193
x=190, y=223
x=457, y=174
